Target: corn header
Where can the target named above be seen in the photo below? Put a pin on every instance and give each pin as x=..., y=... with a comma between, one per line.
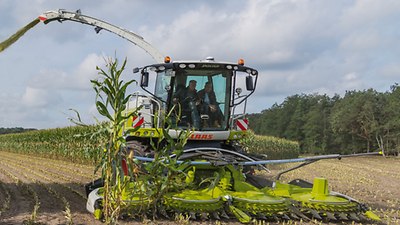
x=208, y=98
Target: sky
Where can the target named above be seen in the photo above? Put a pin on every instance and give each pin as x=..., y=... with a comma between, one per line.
x=298, y=47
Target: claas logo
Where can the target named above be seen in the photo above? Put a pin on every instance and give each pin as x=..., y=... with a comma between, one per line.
x=202, y=136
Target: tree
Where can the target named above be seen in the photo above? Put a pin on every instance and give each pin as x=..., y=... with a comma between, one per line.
x=356, y=115
x=390, y=120
x=317, y=130
x=359, y=121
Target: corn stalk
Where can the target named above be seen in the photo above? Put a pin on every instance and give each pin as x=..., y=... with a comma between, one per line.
x=111, y=101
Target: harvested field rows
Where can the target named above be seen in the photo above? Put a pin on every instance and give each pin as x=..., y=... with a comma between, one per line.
x=48, y=191
x=371, y=180
x=43, y=190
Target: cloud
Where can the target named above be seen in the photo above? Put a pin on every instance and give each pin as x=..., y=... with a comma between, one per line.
x=77, y=79
x=274, y=34
x=298, y=46
x=50, y=93
x=33, y=109
x=351, y=81
x=9, y=104
x=391, y=70
x=39, y=98
x=369, y=13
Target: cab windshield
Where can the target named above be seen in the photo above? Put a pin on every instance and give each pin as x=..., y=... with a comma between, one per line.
x=200, y=99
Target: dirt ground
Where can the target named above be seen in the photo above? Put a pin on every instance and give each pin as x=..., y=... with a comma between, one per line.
x=57, y=188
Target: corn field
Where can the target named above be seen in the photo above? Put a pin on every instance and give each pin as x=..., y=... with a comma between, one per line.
x=272, y=147
x=69, y=143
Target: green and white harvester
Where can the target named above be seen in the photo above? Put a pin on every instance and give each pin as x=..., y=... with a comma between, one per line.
x=217, y=175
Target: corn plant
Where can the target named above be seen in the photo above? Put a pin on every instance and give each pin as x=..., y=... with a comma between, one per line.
x=159, y=175
x=163, y=174
x=111, y=100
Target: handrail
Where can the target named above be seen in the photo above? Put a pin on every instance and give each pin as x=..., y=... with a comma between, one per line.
x=136, y=95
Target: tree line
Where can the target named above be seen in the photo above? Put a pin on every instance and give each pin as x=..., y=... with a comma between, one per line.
x=360, y=121
x=4, y=130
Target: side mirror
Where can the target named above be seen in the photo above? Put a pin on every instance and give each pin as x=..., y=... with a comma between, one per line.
x=144, y=82
x=249, y=83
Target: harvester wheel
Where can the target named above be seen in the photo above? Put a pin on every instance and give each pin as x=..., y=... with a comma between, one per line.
x=138, y=148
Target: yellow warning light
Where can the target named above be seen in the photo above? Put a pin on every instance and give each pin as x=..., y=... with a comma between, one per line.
x=167, y=59
x=241, y=62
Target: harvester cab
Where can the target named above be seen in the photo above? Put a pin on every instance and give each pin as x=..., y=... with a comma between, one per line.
x=206, y=97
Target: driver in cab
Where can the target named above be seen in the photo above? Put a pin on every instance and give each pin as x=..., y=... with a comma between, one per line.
x=189, y=99
x=209, y=105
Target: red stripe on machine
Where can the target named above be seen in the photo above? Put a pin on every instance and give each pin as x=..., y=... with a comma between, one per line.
x=137, y=121
x=242, y=124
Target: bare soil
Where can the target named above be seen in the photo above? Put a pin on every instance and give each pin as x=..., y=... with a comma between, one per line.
x=26, y=181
